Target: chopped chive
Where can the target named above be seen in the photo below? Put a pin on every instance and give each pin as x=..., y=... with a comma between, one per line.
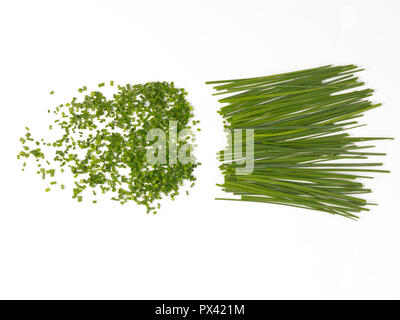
x=104, y=142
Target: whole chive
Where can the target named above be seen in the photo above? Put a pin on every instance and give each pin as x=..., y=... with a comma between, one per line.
x=300, y=121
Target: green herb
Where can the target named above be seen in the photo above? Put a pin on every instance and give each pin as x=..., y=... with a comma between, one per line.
x=104, y=143
x=303, y=155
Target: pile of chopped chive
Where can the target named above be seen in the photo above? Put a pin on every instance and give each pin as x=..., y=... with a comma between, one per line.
x=303, y=155
x=103, y=143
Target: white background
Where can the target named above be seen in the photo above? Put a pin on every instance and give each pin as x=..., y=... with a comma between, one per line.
x=196, y=247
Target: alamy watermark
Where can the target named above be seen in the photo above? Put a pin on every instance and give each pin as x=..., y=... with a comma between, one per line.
x=178, y=148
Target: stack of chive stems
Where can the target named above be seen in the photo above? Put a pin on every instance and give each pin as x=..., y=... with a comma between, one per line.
x=303, y=154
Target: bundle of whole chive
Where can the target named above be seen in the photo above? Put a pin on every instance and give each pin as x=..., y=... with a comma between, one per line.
x=300, y=121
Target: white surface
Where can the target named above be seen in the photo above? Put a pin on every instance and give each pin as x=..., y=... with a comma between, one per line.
x=196, y=247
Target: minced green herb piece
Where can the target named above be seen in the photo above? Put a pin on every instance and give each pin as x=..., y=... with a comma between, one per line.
x=84, y=88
